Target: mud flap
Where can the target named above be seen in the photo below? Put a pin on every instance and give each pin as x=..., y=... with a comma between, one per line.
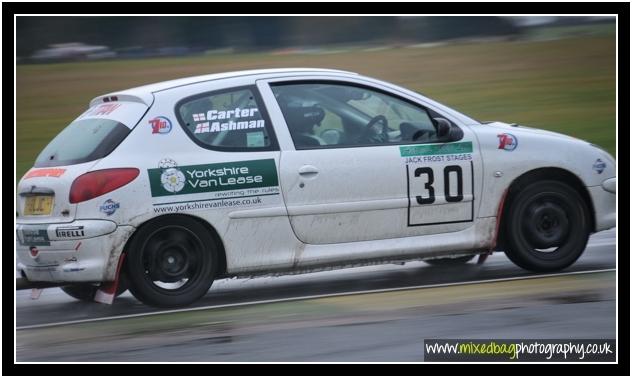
x=107, y=290
x=35, y=293
x=482, y=257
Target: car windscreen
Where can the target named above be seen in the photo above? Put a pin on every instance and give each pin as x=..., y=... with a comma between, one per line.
x=82, y=141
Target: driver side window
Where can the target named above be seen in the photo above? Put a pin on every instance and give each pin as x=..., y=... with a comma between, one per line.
x=326, y=115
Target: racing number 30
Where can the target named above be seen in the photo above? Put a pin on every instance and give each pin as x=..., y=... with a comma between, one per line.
x=446, y=179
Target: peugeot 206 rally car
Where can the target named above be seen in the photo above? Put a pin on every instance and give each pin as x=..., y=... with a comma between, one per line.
x=164, y=188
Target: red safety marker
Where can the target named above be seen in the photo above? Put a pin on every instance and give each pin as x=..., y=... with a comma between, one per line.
x=107, y=290
x=484, y=256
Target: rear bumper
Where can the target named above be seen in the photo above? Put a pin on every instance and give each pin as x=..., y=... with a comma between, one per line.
x=605, y=203
x=81, y=251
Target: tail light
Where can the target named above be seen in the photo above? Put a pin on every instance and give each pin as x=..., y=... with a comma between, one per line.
x=93, y=184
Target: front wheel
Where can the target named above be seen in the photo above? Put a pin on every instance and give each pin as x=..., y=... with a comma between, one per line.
x=172, y=262
x=547, y=226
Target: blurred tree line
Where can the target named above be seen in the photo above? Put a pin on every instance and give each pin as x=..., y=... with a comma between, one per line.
x=247, y=33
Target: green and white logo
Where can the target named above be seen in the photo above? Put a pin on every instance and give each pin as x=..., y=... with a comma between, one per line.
x=172, y=180
x=205, y=178
x=436, y=149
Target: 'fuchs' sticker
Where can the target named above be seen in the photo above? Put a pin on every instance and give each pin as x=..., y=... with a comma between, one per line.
x=599, y=166
x=109, y=207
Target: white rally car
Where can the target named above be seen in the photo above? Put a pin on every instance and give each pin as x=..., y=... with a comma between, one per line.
x=163, y=188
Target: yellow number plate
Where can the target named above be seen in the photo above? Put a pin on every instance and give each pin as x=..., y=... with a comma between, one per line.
x=38, y=205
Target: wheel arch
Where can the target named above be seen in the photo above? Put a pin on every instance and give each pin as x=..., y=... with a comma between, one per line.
x=214, y=234
x=540, y=174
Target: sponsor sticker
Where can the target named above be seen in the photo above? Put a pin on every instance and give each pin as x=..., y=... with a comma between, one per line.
x=172, y=180
x=507, y=142
x=237, y=119
x=109, y=207
x=160, y=125
x=199, y=117
x=436, y=153
x=209, y=178
x=45, y=172
x=73, y=268
x=234, y=198
x=167, y=163
x=214, y=127
x=255, y=139
x=235, y=113
x=101, y=110
x=599, y=166
x=69, y=232
x=436, y=149
x=34, y=236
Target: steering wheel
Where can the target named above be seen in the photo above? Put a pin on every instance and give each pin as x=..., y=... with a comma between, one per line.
x=373, y=132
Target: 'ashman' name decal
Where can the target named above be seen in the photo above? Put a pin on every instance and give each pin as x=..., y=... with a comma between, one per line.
x=204, y=178
x=243, y=116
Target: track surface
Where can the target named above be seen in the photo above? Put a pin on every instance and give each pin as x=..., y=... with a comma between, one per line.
x=375, y=326
x=55, y=306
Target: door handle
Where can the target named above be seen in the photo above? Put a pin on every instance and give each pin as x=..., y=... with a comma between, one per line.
x=308, y=171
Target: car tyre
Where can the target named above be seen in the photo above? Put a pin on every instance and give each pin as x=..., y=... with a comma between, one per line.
x=172, y=262
x=547, y=226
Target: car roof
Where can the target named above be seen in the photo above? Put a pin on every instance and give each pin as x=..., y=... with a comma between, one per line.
x=144, y=93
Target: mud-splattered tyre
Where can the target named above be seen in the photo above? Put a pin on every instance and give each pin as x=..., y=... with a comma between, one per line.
x=547, y=226
x=449, y=261
x=172, y=262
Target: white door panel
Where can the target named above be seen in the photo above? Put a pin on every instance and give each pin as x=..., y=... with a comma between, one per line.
x=341, y=195
x=336, y=192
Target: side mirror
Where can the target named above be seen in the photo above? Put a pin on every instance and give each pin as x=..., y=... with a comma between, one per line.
x=443, y=126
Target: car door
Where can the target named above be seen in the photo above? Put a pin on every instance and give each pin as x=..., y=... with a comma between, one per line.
x=365, y=165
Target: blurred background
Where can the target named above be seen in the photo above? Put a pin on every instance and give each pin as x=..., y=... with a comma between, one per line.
x=556, y=73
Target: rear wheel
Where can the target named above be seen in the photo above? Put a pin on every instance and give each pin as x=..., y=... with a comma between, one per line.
x=172, y=262
x=547, y=226
x=450, y=261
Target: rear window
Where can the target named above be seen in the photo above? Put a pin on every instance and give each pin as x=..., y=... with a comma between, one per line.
x=82, y=141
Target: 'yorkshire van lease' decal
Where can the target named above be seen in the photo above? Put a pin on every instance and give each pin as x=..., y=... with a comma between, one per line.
x=206, y=178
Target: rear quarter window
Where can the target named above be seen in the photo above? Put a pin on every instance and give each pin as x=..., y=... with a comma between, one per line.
x=227, y=120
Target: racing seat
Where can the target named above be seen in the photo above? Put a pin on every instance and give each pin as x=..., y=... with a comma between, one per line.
x=301, y=121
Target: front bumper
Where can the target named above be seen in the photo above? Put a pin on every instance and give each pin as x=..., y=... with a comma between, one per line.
x=81, y=251
x=604, y=201
x=610, y=185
